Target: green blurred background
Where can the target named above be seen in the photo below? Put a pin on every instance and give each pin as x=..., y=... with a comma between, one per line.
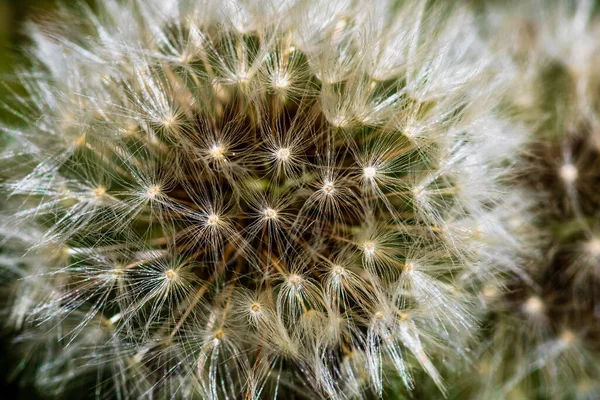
x=13, y=14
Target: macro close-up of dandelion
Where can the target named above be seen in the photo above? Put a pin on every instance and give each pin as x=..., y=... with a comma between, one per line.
x=302, y=199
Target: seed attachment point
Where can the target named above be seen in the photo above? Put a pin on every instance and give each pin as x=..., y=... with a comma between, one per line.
x=328, y=187
x=369, y=172
x=283, y=154
x=270, y=213
x=213, y=220
x=170, y=274
x=568, y=173
x=369, y=248
x=99, y=192
x=153, y=191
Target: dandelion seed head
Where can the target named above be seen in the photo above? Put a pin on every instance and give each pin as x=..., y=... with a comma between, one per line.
x=257, y=162
x=515, y=222
x=556, y=217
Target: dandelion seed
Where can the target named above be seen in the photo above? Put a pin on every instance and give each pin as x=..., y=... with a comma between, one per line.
x=295, y=281
x=418, y=191
x=568, y=173
x=217, y=152
x=170, y=274
x=281, y=83
x=270, y=213
x=100, y=191
x=338, y=270
x=80, y=141
x=213, y=220
x=593, y=247
x=117, y=273
x=169, y=121
x=340, y=121
x=534, y=305
x=153, y=191
x=369, y=172
x=115, y=318
x=567, y=337
x=283, y=154
x=218, y=338
x=490, y=292
x=328, y=187
x=369, y=248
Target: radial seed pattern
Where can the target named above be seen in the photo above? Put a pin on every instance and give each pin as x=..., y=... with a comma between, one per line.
x=228, y=201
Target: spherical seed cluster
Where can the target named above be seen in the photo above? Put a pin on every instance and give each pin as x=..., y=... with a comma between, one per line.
x=231, y=200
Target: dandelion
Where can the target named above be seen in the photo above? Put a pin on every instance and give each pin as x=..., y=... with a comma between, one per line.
x=258, y=199
x=543, y=315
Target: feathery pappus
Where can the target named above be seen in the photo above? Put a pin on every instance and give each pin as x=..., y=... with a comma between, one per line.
x=255, y=199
